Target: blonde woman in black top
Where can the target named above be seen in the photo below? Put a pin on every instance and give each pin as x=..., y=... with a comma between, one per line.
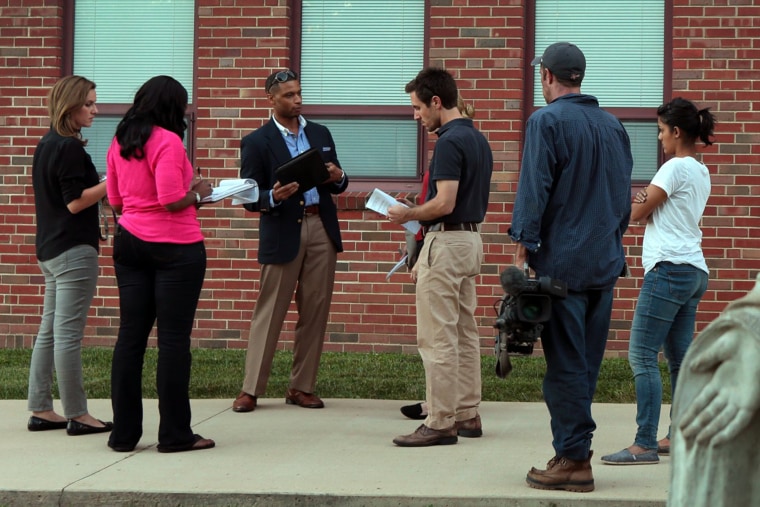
x=66, y=193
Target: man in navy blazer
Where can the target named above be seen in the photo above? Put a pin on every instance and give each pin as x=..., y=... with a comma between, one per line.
x=299, y=239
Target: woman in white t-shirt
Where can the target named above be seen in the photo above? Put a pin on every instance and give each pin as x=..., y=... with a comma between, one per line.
x=675, y=272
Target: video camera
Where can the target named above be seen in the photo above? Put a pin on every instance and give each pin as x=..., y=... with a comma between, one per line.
x=526, y=303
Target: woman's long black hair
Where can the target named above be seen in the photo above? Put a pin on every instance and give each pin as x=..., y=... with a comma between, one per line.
x=695, y=123
x=162, y=102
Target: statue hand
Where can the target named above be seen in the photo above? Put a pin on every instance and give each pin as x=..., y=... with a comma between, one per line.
x=730, y=399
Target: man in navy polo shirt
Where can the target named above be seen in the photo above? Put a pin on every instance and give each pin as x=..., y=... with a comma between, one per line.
x=455, y=205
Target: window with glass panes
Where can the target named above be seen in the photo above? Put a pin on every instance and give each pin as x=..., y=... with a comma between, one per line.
x=355, y=59
x=119, y=46
x=623, y=43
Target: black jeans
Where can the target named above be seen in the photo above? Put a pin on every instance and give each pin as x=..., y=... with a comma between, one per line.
x=158, y=282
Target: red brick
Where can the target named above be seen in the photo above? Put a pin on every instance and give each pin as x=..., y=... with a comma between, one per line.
x=714, y=62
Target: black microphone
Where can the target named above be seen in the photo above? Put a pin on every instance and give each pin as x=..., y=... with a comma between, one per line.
x=512, y=280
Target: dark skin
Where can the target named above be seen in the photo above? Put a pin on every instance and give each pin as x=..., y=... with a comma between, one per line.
x=286, y=105
x=201, y=186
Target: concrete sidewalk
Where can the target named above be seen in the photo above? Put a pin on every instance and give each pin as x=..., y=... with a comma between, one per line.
x=282, y=455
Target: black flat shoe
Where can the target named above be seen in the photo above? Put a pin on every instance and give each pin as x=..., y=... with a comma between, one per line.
x=197, y=444
x=121, y=447
x=39, y=424
x=413, y=411
x=78, y=428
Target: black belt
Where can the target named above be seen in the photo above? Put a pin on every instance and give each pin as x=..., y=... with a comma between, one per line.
x=311, y=210
x=441, y=226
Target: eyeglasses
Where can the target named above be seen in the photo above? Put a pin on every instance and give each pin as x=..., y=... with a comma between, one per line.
x=281, y=77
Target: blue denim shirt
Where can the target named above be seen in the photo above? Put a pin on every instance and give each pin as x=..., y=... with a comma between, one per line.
x=573, y=198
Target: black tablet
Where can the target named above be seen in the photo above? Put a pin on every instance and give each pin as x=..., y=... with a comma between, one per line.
x=308, y=169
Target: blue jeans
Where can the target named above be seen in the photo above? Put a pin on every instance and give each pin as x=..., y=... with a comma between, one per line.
x=574, y=340
x=158, y=282
x=70, y=281
x=665, y=315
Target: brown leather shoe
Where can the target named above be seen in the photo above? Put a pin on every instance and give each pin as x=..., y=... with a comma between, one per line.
x=425, y=436
x=302, y=399
x=565, y=474
x=471, y=428
x=244, y=402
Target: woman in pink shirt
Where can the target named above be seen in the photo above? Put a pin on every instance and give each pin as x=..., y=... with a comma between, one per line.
x=160, y=263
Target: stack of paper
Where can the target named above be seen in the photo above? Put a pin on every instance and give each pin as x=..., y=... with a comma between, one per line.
x=380, y=201
x=241, y=190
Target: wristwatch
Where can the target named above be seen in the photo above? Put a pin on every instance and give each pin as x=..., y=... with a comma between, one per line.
x=197, y=198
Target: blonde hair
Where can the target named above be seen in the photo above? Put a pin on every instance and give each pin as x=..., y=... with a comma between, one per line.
x=67, y=96
x=467, y=110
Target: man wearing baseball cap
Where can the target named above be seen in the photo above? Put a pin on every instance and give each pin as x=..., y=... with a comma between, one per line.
x=571, y=210
x=565, y=61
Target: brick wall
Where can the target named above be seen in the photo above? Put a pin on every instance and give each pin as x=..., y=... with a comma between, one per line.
x=30, y=62
x=482, y=43
x=716, y=62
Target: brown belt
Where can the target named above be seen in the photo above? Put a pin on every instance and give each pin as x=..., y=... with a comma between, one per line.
x=311, y=210
x=440, y=226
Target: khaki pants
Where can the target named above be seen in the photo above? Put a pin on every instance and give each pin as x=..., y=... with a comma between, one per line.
x=311, y=275
x=447, y=332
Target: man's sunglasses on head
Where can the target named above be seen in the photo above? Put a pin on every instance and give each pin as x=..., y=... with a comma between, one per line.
x=282, y=77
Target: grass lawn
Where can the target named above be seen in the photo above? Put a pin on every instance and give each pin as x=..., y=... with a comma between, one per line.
x=218, y=373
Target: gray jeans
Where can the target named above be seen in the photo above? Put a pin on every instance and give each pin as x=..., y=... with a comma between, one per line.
x=70, y=281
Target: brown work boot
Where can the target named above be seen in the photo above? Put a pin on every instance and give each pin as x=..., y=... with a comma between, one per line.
x=565, y=474
x=471, y=428
x=425, y=436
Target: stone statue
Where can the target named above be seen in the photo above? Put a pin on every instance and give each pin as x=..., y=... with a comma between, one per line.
x=715, y=448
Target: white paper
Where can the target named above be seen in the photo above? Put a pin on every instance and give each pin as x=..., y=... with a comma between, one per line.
x=397, y=266
x=379, y=201
x=246, y=196
x=241, y=190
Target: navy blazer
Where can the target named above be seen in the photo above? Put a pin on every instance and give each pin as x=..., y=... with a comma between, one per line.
x=264, y=150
